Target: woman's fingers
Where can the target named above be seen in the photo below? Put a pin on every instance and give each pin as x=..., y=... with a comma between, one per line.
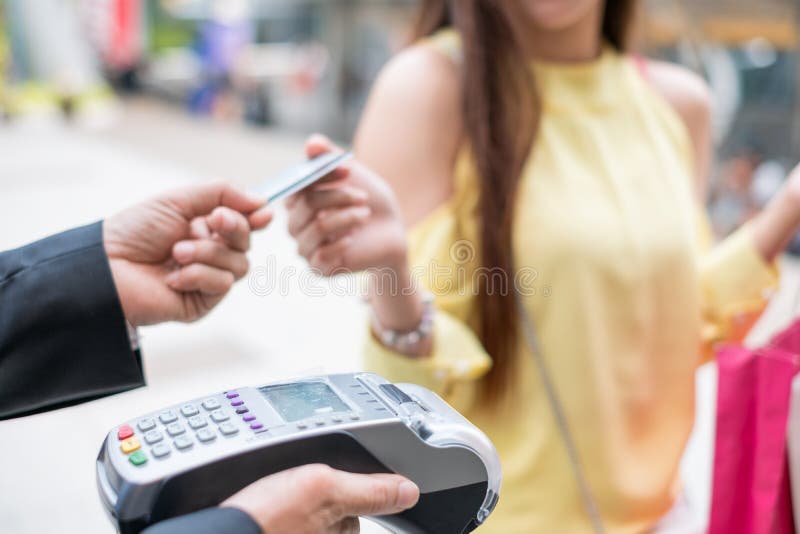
x=300, y=214
x=328, y=226
x=231, y=226
x=315, y=200
x=203, y=278
x=335, y=197
x=318, y=144
x=330, y=257
x=212, y=253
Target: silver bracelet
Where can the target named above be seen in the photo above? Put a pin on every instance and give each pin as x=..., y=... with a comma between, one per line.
x=406, y=341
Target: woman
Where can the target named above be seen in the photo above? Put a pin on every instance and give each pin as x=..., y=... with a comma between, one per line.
x=519, y=136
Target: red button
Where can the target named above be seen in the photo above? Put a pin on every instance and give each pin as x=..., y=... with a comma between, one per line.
x=124, y=432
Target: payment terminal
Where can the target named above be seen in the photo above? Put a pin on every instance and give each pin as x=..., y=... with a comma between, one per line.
x=196, y=454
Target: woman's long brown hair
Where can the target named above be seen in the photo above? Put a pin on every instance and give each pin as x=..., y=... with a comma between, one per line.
x=500, y=111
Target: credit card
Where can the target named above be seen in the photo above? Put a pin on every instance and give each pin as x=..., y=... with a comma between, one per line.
x=301, y=175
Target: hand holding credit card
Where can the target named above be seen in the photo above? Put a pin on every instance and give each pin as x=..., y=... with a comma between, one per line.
x=301, y=175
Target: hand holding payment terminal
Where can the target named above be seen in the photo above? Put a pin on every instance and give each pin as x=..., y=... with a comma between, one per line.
x=193, y=456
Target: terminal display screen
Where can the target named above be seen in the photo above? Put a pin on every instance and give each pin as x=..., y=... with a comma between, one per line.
x=303, y=399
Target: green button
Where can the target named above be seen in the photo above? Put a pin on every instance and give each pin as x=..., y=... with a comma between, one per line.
x=137, y=458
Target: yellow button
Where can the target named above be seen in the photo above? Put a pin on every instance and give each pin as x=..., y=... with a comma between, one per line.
x=130, y=445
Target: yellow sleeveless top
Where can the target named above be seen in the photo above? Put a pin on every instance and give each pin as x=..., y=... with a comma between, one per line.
x=625, y=296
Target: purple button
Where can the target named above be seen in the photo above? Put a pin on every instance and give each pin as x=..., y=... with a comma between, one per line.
x=248, y=418
x=256, y=426
x=237, y=402
x=242, y=410
x=231, y=394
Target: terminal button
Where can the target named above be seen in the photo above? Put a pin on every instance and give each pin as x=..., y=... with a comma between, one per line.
x=206, y=434
x=231, y=394
x=249, y=417
x=175, y=429
x=124, y=432
x=183, y=442
x=302, y=426
x=228, y=429
x=256, y=425
x=211, y=404
x=336, y=418
x=319, y=421
x=167, y=417
x=237, y=402
x=160, y=450
x=154, y=436
x=198, y=421
x=146, y=423
x=189, y=410
x=137, y=458
x=130, y=445
x=355, y=416
x=242, y=409
x=219, y=416
x=395, y=393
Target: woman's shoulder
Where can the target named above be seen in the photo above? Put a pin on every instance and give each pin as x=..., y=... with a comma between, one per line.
x=684, y=90
x=690, y=97
x=422, y=69
x=410, y=131
x=417, y=92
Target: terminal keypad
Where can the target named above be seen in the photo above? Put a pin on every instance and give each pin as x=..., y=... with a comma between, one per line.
x=197, y=421
x=188, y=410
x=175, y=429
x=204, y=422
x=153, y=436
x=184, y=427
x=161, y=450
x=146, y=423
x=168, y=416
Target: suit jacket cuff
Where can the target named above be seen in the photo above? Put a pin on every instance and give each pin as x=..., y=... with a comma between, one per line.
x=63, y=338
x=209, y=521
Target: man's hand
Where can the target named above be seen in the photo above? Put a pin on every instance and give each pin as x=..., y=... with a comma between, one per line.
x=173, y=258
x=315, y=499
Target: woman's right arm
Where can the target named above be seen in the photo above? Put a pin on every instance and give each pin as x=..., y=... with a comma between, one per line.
x=410, y=134
x=406, y=146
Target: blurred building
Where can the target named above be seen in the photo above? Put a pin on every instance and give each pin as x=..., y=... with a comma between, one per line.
x=307, y=65
x=748, y=53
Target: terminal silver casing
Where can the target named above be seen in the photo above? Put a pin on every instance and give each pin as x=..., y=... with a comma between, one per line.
x=370, y=426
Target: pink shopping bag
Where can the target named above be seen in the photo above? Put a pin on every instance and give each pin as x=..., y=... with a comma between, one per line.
x=751, y=492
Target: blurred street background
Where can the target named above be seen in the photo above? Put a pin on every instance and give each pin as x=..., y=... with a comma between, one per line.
x=106, y=102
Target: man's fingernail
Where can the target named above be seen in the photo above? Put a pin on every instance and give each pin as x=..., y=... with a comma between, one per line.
x=183, y=250
x=257, y=198
x=407, y=494
x=228, y=222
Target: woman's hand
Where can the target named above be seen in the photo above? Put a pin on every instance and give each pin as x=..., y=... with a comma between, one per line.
x=779, y=221
x=349, y=221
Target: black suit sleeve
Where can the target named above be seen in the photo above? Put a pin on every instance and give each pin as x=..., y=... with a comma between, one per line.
x=63, y=338
x=210, y=521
